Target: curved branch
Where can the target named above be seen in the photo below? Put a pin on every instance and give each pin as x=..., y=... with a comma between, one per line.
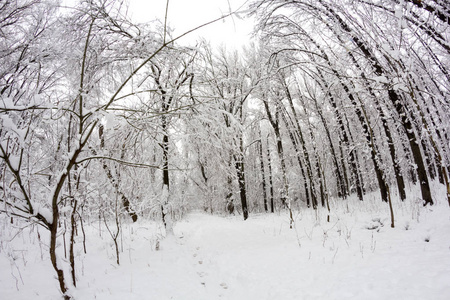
x=127, y=163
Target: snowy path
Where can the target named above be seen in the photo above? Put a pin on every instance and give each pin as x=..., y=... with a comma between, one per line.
x=261, y=259
x=226, y=258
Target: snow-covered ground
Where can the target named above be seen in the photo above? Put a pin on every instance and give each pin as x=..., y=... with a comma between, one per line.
x=354, y=256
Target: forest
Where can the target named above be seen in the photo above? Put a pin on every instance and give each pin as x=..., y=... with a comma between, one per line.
x=108, y=125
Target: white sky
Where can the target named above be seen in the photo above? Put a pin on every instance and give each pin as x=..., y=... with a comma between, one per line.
x=187, y=14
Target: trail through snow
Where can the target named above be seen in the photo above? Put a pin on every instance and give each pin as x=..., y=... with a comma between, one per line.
x=212, y=257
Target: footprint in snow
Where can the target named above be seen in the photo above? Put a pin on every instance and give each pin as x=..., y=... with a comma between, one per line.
x=201, y=274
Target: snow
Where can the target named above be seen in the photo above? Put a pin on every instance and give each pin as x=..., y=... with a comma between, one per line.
x=110, y=120
x=8, y=103
x=43, y=211
x=8, y=123
x=14, y=160
x=354, y=256
x=381, y=79
x=398, y=11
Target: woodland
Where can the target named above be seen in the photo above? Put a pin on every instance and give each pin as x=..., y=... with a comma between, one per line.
x=108, y=122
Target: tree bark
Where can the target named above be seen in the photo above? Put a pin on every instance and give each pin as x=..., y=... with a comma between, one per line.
x=263, y=175
x=299, y=134
x=242, y=189
x=125, y=201
x=269, y=166
x=340, y=181
x=165, y=210
x=345, y=139
x=73, y=229
x=279, y=144
x=53, y=256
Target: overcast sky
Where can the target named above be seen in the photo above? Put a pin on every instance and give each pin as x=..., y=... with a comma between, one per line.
x=187, y=14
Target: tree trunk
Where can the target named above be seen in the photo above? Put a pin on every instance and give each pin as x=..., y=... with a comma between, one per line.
x=308, y=191
x=415, y=149
x=298, y=131
x=113, y=181
x=275, y=125
x=269, y=166
x=340, y=181
x=242, y=189
x=345, y=139
x=53, y=256
x=239, y=161
x=442, y=172
x=73, y=228
x=263, y=175
x=316, y=157
x=165, y=209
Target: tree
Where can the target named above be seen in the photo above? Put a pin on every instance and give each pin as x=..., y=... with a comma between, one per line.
x=230, y=84
x=170, y=74
x=332, y=49
x=55, y=96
